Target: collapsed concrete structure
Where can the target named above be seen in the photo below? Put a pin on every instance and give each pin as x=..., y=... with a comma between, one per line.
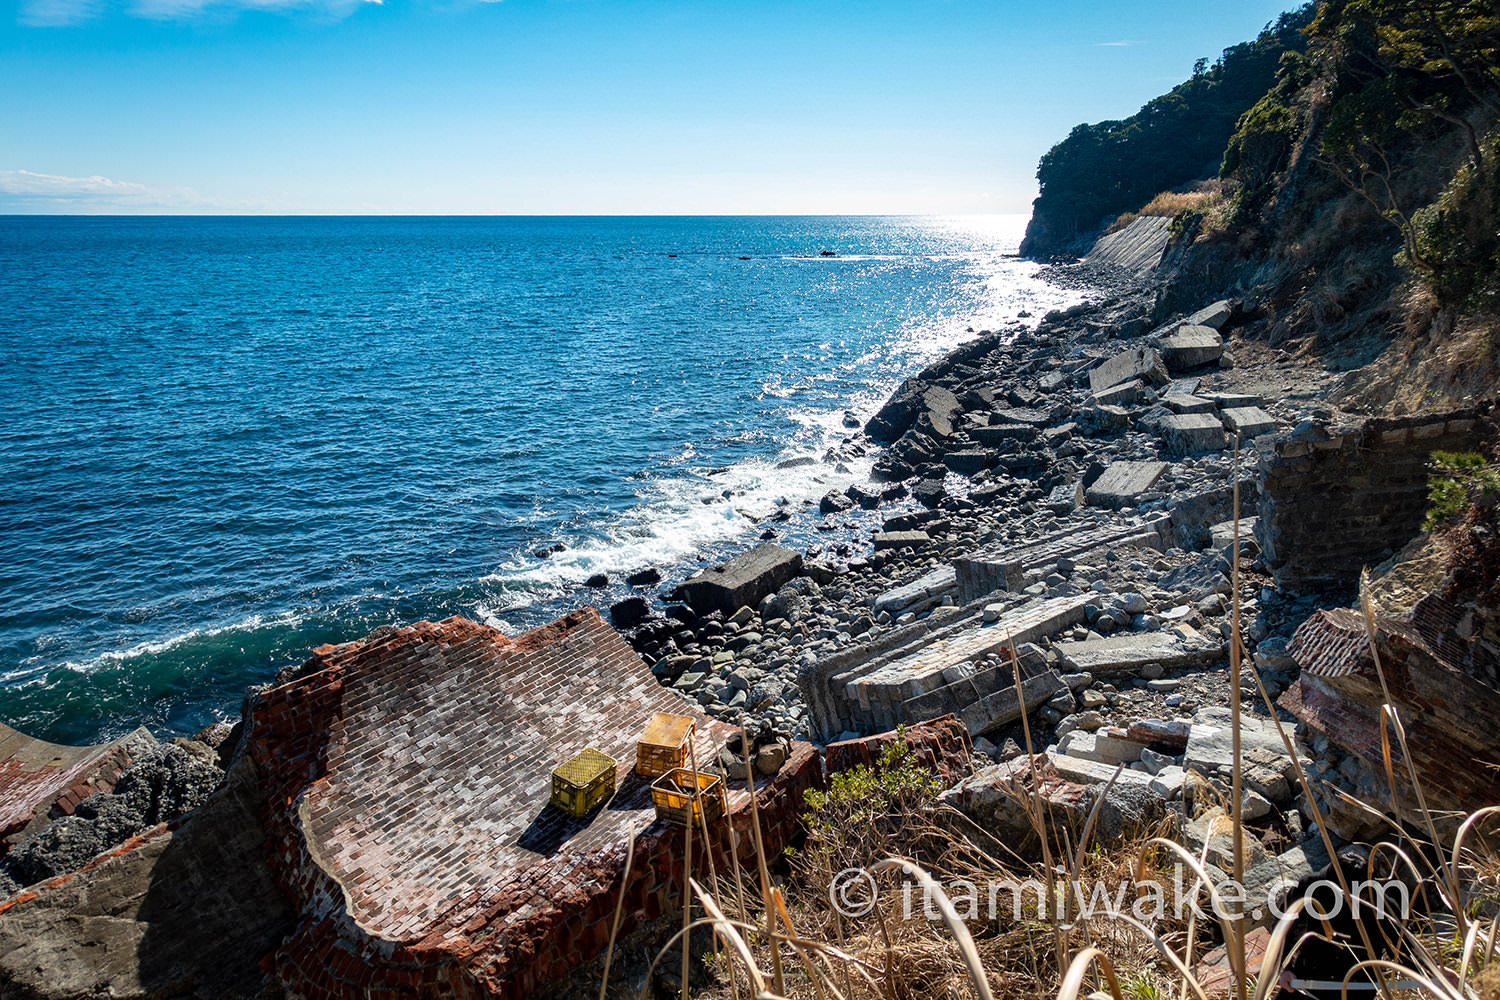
x=386, y=830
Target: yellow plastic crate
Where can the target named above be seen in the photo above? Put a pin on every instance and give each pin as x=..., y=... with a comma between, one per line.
x=664, y=744
x=579, y=785
x=672, y=794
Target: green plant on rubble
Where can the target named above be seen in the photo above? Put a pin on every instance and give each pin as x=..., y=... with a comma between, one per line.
x=867, y=805
x=1459, y=480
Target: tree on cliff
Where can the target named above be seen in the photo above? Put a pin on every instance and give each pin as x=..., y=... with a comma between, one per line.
x=1102, y=170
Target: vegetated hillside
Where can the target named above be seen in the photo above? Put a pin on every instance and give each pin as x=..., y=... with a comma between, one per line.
x=1356, y=212
x=1359, y=213
x=1102, y=170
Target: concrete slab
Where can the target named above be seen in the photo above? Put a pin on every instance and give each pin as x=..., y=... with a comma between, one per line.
x=1143, y=364
x=1214, y=316
x=1093, y=773
x=1178, y=403
x=1124, y=394
x=1123, y=482
x=1210, y=740
x=1187, y=433
x=1099, y=747
x=901, y=539
x=1021, y=415
x=1127, y=654
x=1222, y=535
x=742, y=581
x=1249, y=421
x=1232, y=400
x=1012, y=567
x=922, y=593
x=1192, y=347
x=997, y=434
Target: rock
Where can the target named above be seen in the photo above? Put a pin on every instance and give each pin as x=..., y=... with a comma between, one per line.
x=913, y=399
x=769, y=759
x=1208, y=576
x=624, y=614
x=743, y=580
x=1124, y=394
x=866, y=498
x=648, y=577
x=834, y=502
x=597, y=580
x=547, y=551
x=1145, y=365
x=1123, y=482
x=1192, y=347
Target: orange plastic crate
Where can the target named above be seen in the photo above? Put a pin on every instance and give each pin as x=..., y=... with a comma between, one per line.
x=672, y=794
x=664, y=744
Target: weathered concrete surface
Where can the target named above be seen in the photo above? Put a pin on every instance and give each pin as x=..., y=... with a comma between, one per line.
x=900, y=540
x=1140, y=364
x=1214, y=316
x=186, y=909
x=1127, y=654
x=1137, y=248
x=742, y=581
x=925, y=592
x=915, y=398
x=1187, y=433
x=1123, y=482
x=934, y=668
x=1184, y=403
x=1010, y=567
x=1210, y=743
x=1192, y=347
x=1248, y=421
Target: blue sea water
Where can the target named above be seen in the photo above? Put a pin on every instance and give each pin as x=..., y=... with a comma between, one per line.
x=226, y=441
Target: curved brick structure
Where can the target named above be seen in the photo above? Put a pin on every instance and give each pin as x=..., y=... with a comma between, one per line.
x=407, y=782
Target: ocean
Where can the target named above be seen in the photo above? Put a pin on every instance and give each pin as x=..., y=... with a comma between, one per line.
x=225, y=441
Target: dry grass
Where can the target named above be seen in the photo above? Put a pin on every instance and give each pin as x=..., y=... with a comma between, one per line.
x=1201, y=197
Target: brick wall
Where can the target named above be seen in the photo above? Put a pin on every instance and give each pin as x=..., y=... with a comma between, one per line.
x=407, y=779
x=1331, y=507
x=943, y=745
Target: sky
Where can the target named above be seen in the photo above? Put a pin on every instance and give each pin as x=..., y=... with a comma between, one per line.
x=538, y=107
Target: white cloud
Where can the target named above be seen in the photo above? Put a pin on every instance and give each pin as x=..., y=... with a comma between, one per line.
x=28, y=191
x=1122, y=43
x=57, y=13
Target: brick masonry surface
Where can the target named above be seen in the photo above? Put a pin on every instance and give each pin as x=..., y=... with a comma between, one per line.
x=1331, y=507
x=407, y=778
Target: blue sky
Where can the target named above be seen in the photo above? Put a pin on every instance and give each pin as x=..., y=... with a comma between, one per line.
x=571, y=106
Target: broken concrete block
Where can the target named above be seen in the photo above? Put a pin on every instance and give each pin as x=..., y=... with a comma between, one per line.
x=901, y=539
x=1221, y=536
x=1145, y=365
x=1210, y=742
x=1187, y=433
x=743, y=580
x=1178, y=403
x=1094, y=773
x=1192, y=347
x=1168, y=782
x=1123, y=482
x=1248, y=421
x=1233, y=400
x=1124, y=394
x=1214, y=316
x=1127, y=654
x=925, y=592
x=971, y=460
x=1100, y=746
